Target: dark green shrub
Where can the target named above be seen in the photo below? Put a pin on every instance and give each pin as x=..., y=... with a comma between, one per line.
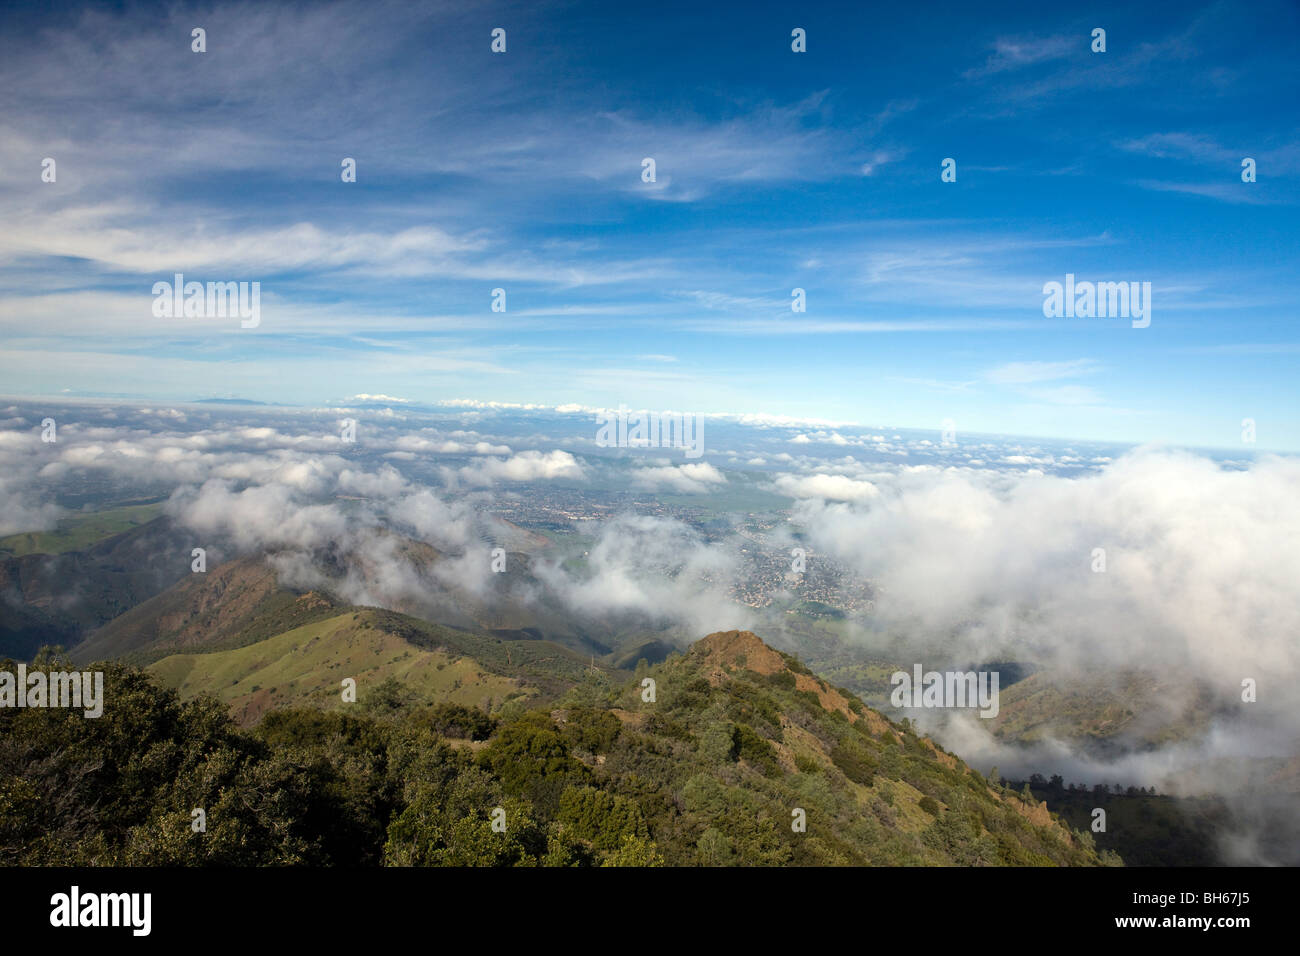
x=586, y=728
x=854, y=762
x=461, y=723
x=749, y=746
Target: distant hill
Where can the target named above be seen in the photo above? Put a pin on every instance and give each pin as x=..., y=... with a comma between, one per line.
x=236, y=603
x=56, y=599
x=650, y=649
x=241, y=601
x=235, y=634
x=117, y=584
x=306, y=667
x=1099, y=712
x=78, y=531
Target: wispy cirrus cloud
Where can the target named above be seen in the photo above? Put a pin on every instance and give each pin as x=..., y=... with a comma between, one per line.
x=1027, y=373
x=1014, y=53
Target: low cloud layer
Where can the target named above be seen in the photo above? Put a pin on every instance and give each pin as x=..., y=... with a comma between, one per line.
x=1200, y=563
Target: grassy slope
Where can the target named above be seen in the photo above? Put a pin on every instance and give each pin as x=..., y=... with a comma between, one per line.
x=57, y=599
x=1110, y=711
x=80, y=531
x=546, y=664
x=237, y=603
x=306, y=666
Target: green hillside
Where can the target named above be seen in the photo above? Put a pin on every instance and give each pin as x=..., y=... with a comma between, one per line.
x=306, y=666
x=545, y=664
x=741, y=736
x=1098, y=712
x=240, y=602
x=236, y=603
x=739, y=744
x=80, y=531
x=59, y=598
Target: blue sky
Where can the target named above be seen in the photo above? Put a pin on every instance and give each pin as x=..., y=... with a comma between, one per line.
x=775, y=170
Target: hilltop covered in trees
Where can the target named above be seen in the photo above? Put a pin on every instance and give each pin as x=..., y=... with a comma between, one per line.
x=738, y=746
